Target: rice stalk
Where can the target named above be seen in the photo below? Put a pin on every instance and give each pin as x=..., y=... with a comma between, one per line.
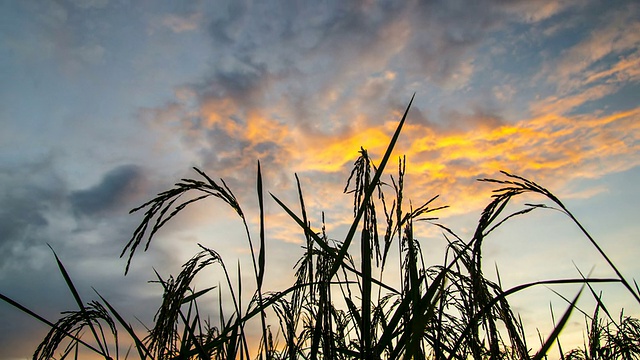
x=339, y=308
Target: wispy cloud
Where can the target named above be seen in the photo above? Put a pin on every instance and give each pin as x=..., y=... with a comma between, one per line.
x=596, y=66
x=554, y=148
x=617, y=35
x=253, y=107
x=128, y=97
x=180, y=24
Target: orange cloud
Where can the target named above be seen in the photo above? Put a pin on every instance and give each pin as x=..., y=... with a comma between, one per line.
x=625, y=69
x=330, y=154
x=219, y=112
x=259, y=127
x=551, y=149
x=615, y=38
x=564, y=104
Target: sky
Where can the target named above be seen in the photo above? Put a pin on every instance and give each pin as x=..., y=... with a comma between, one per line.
x=105, y=103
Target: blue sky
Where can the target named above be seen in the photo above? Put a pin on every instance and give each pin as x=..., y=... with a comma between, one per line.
x=104, y=103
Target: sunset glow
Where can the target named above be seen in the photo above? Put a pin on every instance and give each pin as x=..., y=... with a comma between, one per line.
x=104, y=104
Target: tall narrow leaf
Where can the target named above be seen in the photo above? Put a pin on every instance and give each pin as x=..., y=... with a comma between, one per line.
x=558, y=328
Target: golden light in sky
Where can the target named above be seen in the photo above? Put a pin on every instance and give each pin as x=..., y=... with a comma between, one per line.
x=104, y=104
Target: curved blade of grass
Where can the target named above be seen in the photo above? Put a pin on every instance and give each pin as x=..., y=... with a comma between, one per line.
x=76, y=296
x=624, y=281
x=261, y=251
x=410, y=340
x=556, y=331
x=390, y=329
x=368, y=193
x=523, y=185
x=553, y=320
x=317, y=331
x=307, y=230
x=197, y=294
x=353, y=310
x=188, y=329
x=385, y=339
x=253, y=312
x=323, y=244
x=426, y=312
x=34, y=315
x=518, y=288
x=188, y=335
x=517, y=213
x=308, y=238
x=142, y=349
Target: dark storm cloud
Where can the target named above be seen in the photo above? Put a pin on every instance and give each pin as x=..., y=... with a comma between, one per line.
x=37, y=209
x=37, y=205
x=110, y=194
x=27, y=193
x=19, y=215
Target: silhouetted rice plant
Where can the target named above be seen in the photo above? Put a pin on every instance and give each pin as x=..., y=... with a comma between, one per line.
x=340, y=305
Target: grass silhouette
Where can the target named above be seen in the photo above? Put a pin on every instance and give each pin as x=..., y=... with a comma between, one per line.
x=340, y=308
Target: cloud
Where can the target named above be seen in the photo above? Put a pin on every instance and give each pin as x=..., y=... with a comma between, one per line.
x=180, y=24
x=552, y=150
x=89, y=4
x=558, y=104
x=598, y=65
x=625, y=70
x=323, y=53
x=615, y=36
x=539, y=11
x=340, y=79
x=29, y=192
x=320, y=76
x=40, y=209
x=301, y=88
x=117, y=187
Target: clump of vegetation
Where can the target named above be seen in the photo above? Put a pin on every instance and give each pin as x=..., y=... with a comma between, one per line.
x=340, y=305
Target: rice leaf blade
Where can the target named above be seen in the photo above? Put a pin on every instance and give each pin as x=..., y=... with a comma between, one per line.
x=557, y=329
x=76, y=296
x=368, y=193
